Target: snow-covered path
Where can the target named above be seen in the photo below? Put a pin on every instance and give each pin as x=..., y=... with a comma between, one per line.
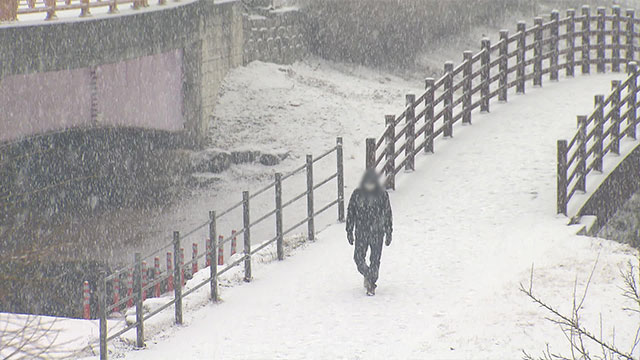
x=469, y=224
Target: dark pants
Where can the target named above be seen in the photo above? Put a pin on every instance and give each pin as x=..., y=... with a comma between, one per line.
x=363, y=243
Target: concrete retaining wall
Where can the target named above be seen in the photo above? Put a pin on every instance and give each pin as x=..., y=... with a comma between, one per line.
x=614, y=191
x=157, y=70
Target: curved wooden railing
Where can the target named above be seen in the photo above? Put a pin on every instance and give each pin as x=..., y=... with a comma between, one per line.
x=599, y=134
x=549, y=48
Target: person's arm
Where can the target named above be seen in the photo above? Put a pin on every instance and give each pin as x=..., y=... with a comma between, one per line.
x=352, y=212
x=388, y=218
x=388, y=215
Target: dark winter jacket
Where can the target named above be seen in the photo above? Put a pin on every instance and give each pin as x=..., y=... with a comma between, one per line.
x=369, y=212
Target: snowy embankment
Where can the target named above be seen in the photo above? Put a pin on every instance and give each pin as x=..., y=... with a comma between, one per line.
x=296, y=110
x=470, y=223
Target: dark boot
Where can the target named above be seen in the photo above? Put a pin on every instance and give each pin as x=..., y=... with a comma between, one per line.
x=371, y=288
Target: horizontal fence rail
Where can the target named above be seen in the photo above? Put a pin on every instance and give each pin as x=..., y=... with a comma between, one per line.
x=550, y=48
x=613, y=118
x=143, y=282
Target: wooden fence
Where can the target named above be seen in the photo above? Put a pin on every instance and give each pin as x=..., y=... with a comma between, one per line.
x=10, y=9
x=598, y=134
x=552, y=48
x=174, y=274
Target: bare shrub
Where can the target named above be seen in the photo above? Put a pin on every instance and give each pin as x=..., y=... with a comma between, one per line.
x=581, y=339
x=393, y=33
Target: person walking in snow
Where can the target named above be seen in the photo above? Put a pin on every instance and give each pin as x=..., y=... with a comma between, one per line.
x=369, y=218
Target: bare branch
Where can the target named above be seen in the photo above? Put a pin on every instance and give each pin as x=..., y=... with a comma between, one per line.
x=571, y=324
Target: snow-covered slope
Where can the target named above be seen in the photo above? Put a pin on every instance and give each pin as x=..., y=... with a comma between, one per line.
x=470, y=223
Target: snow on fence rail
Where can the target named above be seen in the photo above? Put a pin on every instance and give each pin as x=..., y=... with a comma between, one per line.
x=560, y=44
x=598, y=134
x=174, y=276
x=11, y=9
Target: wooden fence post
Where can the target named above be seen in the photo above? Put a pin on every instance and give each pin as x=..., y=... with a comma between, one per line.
x=582, y=153
x=340, y=177
x=521, y=57
x=537, y=52
x=485, y=62
x=632, y=69
x=177, y=281
x=615, y=39
x=211, y=256
x=629, y=36
x=139, y=309
x=467, y=86
x=102, y=313
x=310, y=208
x=370, y=153
x=571, y=43
x=410, y=134
x=246, y=219
x=279, y=225
x=448, y=99
x=586, y=39
x=390, y=166
x=553, y=60
x=8, y=10
x=51, y=13
x=598, y=132
x=504, y=65
x=600, y=38
x=429, y=114
x=615, y=117
x=84, y=9
x=562, y=177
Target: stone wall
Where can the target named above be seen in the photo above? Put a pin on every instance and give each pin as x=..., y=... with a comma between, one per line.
x=221, y=49
x=275, y=36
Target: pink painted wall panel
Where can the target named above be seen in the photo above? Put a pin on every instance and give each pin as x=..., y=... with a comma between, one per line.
x=144, y=92
x=140, y=93
x=43, y=102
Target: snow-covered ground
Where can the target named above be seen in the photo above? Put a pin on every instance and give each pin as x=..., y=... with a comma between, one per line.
x=470, y=223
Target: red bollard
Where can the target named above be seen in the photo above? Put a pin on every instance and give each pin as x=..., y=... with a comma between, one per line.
x=116, y=293
x=156, y=276
x=86, y=297
x=220, y=250
x=182, y=266
x=170, y=272
x=208, y=246
x=130, y=289
x=144, y=280
x=234, y=243
x=194, y=255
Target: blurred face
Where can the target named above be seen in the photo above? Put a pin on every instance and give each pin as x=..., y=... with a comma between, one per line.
x=369, y=186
